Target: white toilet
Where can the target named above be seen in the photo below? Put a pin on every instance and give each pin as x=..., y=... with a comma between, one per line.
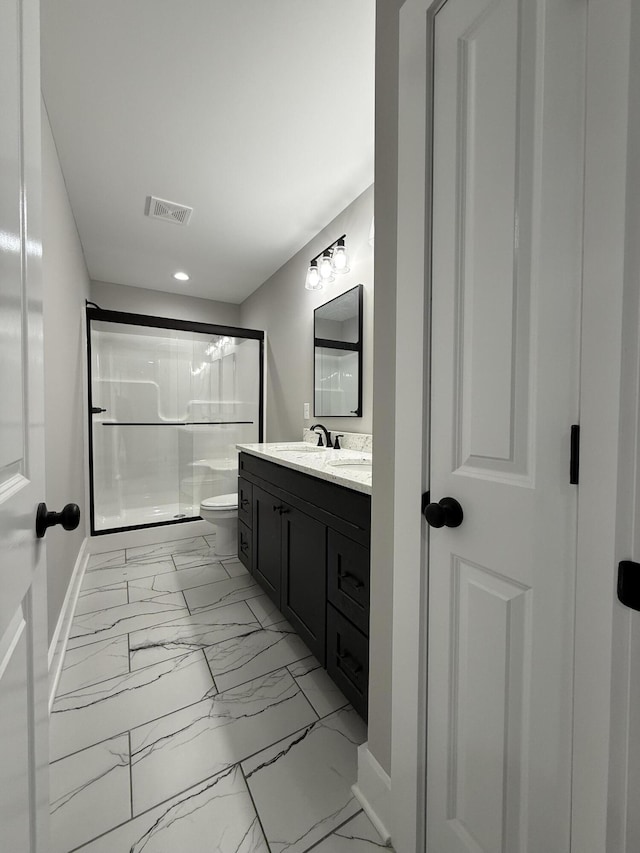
x=222, y=512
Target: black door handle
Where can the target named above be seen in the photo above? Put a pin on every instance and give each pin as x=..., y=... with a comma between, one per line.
x=96, y=410
x=446, y=513
x=69, y=518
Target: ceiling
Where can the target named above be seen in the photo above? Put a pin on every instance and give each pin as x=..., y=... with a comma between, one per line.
x=258, y=114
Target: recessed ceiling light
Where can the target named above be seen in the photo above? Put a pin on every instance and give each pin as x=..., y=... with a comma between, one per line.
x=181, y=276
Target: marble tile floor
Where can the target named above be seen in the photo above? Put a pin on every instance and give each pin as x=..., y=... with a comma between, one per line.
x=190, y=717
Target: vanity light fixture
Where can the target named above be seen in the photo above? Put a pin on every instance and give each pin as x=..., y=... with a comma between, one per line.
x=326, y=264
x=313, y=281
x=181, y=276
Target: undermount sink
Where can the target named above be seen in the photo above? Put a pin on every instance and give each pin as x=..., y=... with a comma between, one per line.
x=356, y=464
x=299, y=447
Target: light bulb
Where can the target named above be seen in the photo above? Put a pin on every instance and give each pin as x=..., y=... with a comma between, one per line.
x=340, y=258
x=313, y=280
x=181, y=276
x=326, y=268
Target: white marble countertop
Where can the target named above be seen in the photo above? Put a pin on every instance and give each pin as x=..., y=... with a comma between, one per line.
x=324, y=464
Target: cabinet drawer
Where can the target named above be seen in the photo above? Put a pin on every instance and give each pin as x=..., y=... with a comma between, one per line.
x=348, y=579
x=348, y=659
x=244, y=545
x=244, y=501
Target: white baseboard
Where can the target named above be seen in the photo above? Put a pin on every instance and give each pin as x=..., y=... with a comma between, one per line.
x=148, y=536
x=373, y=792
x=60, y=637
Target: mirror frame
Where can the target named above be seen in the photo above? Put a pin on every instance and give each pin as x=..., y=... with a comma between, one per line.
x=341, y=345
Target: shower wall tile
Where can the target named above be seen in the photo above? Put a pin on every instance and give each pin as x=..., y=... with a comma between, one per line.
x=312, y=772
x=189, y=633
x=217, y=814
x=93, y=663
x=251, y=655
x=93, y=714
x=130, y=571
x=125, y=618
x=221, y=593
x=189, y=745
x=177, y=546
x=176, y=581
x=101, y=597
x=90, y=793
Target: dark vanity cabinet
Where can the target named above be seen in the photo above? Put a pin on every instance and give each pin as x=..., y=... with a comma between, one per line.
x=306, y=542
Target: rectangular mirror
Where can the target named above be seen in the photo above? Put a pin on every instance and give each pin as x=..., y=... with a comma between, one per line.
x=337, y=331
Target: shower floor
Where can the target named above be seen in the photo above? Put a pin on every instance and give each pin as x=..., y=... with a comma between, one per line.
x=146, y=515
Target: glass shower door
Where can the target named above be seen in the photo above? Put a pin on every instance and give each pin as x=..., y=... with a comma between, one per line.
x=168, y=407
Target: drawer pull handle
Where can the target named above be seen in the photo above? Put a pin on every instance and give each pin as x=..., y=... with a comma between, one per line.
x=244, y=547
x=352, y=580
x=244, y=503
x=354, y=668
x=281, y=509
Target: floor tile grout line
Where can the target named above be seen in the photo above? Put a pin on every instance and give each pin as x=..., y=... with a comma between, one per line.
x=261, y=675
x=224, y=772
x=253, y=802
x=336, y=829
x=215, y=686
x=161, y=544
x=204, y=698
x=128, y=603
x=192, y=784
x=130, y=776
x=116, y=637
x=91, y=642
x=253, y=626
x=307, y=727
x=170, y=574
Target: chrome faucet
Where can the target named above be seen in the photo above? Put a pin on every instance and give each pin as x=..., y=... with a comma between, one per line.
x=327, y=435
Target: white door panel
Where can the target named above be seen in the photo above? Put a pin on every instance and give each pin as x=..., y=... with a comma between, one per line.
x=23, y=627
x=506, y=250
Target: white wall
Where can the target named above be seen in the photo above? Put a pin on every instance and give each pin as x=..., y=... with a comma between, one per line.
x=384, y=368
x=65, y=288
x=139, y=300
x=284, y=310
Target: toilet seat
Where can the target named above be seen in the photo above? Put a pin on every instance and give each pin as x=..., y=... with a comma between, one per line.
x=221, y=502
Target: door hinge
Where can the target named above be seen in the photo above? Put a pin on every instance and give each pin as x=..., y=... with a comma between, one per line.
x=574, y=464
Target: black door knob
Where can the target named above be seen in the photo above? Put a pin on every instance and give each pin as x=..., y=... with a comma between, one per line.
x=446, y=513
x=69, y=518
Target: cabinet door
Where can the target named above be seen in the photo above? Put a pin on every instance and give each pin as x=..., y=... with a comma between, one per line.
x=304, y=577
x=267, y=519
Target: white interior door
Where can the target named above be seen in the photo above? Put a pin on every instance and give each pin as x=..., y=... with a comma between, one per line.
x=23, y=620
x=508, y=117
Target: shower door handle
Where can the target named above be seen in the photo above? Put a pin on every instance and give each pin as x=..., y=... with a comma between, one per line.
x=96, y=410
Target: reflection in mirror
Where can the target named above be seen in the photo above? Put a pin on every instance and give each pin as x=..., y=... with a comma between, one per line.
x=337, y=333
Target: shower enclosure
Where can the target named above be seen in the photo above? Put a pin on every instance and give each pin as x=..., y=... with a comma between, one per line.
x=168, y=401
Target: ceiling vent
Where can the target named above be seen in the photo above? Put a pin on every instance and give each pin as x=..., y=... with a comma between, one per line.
x=160, y=208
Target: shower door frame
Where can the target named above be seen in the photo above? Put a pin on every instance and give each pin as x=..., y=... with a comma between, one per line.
x=123, y=318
